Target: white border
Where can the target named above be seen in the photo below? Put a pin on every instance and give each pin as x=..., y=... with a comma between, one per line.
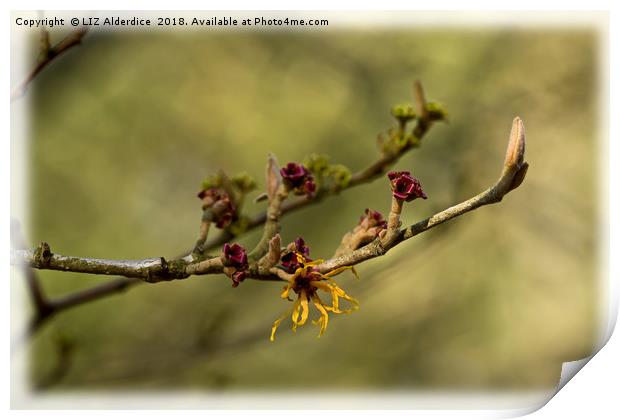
x=579, y=395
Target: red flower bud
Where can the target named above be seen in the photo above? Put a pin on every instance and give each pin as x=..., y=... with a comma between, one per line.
x=222, y=207
x=235, y=256
x=298, y=179
x=238, y=277
x=405, y=187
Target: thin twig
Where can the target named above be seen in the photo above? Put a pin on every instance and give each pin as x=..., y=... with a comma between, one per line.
x=277, y=193
x=94, y=293
x=42, y=306
x=373, y=171
x=68, y=42
x=513, y=173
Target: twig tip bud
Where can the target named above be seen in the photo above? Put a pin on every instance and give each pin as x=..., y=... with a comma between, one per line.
x=516, y=145
x=273, y=176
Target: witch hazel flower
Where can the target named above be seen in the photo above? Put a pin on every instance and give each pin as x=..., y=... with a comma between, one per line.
x=298, y=179
x=405, y=187
x=235, y=259
x=290, y=262
x=305, y=283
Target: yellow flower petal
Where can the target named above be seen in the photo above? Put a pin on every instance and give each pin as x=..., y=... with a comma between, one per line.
x=356, y=304
x=336, y=292
x=341, y=293
x=304, y=308
x=324, y=319
x=285, y=292
x=338, y=271
x=313, y=263
x=276, y=324
x=324, y=286
x=335, y=287
x=295, y=314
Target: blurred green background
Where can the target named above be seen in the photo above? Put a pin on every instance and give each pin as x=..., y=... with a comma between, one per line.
x=125, y=127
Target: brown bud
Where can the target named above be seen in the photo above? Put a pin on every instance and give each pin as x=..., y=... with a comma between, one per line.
x=273, y=256
x=519, y=176
x=273, y=176
x=420, y=100
x=516, y=145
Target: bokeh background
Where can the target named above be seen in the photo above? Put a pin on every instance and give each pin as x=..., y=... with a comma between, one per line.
x=124, y=128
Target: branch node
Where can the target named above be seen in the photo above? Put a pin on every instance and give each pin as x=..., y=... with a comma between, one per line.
x=277, y=192
x=42, y=255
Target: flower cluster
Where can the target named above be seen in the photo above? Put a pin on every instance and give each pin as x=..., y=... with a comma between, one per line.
x=222, y=208
x=405, y=187
x=236, y=259
x=289, y=260
x=305, y=283
x=298, y=179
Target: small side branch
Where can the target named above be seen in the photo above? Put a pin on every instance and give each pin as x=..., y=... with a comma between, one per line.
x=380, y=167
x=368, y=174
x=49, y=54
x=512, y=175
x=93, y=293
x=277, y=193
x=42, y=307
x=205, y=223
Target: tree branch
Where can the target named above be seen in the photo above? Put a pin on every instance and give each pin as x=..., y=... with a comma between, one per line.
x=366, y=175
x=512, y=175
x=48, y=55
x=151, y=270
x=157, y=269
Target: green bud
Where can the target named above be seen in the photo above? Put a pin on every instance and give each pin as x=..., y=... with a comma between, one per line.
x=340, y=174
x=436, y=111
x=317, y=164
x=244, y=182
x=403, y=113
x=212, y=181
